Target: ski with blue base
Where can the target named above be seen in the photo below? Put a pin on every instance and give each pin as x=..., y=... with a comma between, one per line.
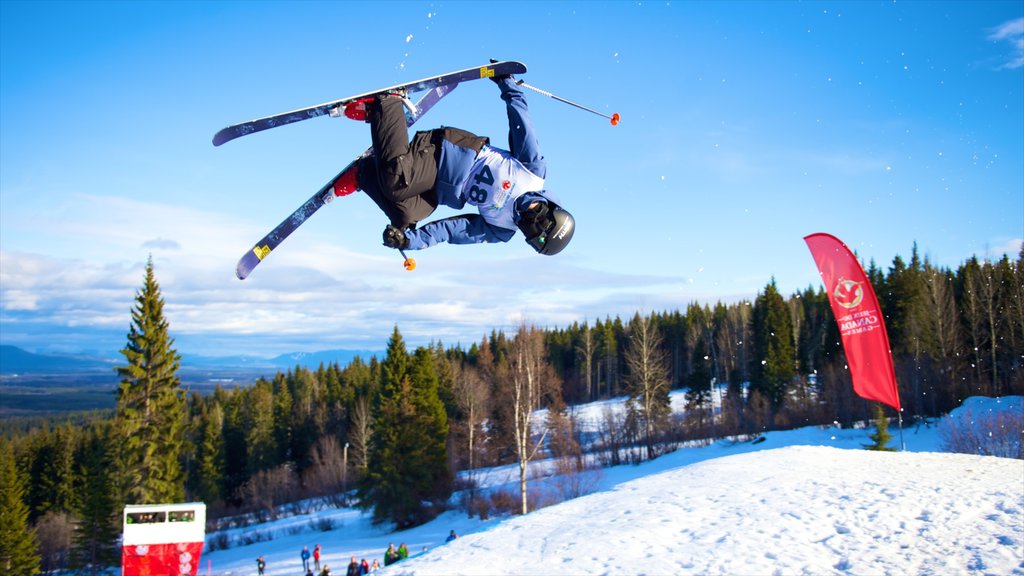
x=336, y=107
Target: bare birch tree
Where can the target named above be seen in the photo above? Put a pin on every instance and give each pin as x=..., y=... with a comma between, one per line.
x=587, y=348
x=471, y=396
x=944, y=324
x=647, y=381
x=530, y=377
x=979, y=312
x=360, y=433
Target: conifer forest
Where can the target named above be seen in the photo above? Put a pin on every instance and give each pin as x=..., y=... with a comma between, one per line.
x=392, y=433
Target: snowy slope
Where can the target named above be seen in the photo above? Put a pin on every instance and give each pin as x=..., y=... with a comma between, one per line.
x=803, y=501
x=811, y=510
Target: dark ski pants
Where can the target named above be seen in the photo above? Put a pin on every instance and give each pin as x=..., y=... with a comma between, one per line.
x=399, y=176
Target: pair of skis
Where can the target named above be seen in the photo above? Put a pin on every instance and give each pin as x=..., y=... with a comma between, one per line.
x=438, y=87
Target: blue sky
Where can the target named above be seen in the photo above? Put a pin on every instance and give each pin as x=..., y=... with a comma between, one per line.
x=745, y=126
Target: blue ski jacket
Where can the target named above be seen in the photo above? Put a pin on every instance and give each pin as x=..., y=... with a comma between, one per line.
x=454, y=169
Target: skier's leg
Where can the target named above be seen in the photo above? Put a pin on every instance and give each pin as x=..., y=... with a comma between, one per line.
x=399, y=177
x=403, y=213
x=390, y=136
x=403, y=170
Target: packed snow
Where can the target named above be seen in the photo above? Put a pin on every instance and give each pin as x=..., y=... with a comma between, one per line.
x=807, y=501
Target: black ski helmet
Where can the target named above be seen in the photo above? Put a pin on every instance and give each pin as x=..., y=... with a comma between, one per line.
x=547, y=227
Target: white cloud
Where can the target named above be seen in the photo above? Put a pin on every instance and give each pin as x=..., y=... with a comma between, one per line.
x=161, y=244
x=1010, y=248
x=313, y=295
x=1012, y=32
x=19, y=300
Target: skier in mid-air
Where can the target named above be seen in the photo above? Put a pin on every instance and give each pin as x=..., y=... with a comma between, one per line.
x=409, y=179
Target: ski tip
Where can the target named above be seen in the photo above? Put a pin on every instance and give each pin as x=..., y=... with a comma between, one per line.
x=225, y=135
x=245, y=266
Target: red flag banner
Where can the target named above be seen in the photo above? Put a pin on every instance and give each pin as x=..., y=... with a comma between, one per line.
x=860, y=320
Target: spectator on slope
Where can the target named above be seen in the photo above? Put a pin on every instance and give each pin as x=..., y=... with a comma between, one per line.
x=305, y=558
x=391, y=555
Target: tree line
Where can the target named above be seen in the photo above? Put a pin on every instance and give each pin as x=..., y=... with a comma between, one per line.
x=392, y=432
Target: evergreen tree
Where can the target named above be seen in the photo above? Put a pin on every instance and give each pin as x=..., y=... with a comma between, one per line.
x=881, y=437
x=150, y=418
x=19, y=552
x=259, y=428
x=236, y=452
x=209, y=452
x=50, y=465
x=430, y=430
x=407, y=480
x=307, y=416
x=96, y=535
x=699, y=409
x=775, y=353
x=608, y=349
x=282, y=418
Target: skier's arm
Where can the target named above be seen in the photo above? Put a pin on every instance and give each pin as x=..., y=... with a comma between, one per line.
x=462, y=229
x=522, y=139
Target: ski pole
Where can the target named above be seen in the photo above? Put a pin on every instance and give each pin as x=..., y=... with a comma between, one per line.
x=409, y=263
x=614, y=117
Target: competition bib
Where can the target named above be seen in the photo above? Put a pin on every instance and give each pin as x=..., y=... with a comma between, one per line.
x=496, y=180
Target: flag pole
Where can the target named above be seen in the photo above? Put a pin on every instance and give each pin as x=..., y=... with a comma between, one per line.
x=899, y=416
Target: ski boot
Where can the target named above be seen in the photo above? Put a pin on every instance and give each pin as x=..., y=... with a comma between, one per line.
x=346, y=183
x=356, y=109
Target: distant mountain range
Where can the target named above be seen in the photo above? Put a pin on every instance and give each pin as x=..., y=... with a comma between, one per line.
x=14, y=360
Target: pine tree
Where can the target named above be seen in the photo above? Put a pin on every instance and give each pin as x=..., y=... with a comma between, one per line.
x=699, y=408
x=96, y=535
x=283, y=422
x=407, y=479
x=259, y=428
x=209, y=452
x=775, y=353
x=881, y=437
x=49, y=462
x=19, y=552
x=430, y=430
x=150, y=420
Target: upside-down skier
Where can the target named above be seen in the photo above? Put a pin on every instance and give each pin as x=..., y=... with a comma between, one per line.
x=408, y=180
